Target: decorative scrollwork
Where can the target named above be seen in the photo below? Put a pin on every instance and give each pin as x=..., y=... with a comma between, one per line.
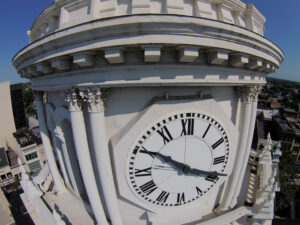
x=94, y=99
x=249, y=93
x=59, y=134
x=73, y=97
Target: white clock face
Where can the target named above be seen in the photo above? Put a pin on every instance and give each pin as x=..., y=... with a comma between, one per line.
x=178, y=160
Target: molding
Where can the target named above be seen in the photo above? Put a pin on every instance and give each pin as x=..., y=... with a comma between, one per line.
x=190, y=31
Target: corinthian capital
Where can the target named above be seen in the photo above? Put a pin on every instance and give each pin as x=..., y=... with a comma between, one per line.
x=249, y=93
x=73, y=97
x=59, y=134
x=94, y=99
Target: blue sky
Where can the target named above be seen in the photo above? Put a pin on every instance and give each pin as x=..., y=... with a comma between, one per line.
x=282, y=28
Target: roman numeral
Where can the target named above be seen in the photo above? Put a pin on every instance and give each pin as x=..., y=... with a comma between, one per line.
x=187, y=127
x=199, y=191
x=203, y=136
x=145, y=151
x=215, y=145
x=163, y=196
x=211, y=177
x=143, y=172
x=180, y=198
x=165, y=134
x=148, y=187
x=219, y=159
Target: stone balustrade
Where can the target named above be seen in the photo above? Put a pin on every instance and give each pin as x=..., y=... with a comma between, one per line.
x=63, y=14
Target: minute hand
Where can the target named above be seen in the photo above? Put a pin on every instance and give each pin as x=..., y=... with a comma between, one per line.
x=186, y=168
x=199, y=172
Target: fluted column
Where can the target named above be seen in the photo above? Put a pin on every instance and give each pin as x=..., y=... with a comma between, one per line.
x=255, y=90
x=98, y=130
x=60, y=159
x=245, y=94
x=60, y=138
x=58, y=181
x=73, y=98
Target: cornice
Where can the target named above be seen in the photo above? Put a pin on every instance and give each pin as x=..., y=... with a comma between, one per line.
x=137, y=30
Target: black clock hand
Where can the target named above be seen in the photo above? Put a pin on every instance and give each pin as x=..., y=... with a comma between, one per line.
x=183, y=167
x=202, y=172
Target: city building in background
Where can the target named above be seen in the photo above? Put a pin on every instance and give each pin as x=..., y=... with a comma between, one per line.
x=147, y=111
x=18, y=105
x=7, y=122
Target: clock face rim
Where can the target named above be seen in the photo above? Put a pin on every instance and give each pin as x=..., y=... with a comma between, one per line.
x=211, y=119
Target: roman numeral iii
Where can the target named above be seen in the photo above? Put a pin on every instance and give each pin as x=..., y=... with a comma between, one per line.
x=219, y=159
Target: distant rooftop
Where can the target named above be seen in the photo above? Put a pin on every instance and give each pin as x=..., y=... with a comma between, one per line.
x=289, y=110
x=283, y=124
x=3, y=158
x=27, y=136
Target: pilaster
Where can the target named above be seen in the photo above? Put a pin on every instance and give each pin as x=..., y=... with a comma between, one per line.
x=248, y=96
x=39, y=97
x=94, y=97
x=74, y=98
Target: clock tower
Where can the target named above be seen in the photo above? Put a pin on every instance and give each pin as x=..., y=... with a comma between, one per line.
x=147, y=108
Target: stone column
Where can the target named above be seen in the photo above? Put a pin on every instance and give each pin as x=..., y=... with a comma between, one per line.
x=73, y=98
x=60, y=138
x=245, y=94
x=255, y=90
x=60, y=158
x=99, y=140
x=58, y=181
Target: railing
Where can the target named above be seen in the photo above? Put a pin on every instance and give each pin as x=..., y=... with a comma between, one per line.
x=63, y=14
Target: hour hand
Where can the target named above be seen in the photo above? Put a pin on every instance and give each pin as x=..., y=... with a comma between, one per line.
x=169, y=159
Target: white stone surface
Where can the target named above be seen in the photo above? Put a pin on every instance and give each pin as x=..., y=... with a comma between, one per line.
x=149, y=59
